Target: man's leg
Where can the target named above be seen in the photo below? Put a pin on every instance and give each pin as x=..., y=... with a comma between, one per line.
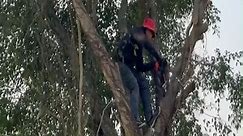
x=132, y=88
x=145, y=96
x=146, y=101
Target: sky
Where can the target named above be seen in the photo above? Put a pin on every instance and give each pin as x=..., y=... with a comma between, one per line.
x=231, y=39
x=231, y=28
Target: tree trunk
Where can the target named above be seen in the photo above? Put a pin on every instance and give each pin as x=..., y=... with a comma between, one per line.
x=143, y=8
x=123, y=18
x=171, y=101
x=95, y=100
x=63, y=36
x=109, y=69
x=91, y=9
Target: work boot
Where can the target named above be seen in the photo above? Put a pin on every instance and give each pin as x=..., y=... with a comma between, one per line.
x=154, y=118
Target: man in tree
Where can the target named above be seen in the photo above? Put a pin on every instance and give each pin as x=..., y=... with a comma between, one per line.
x=130, y=56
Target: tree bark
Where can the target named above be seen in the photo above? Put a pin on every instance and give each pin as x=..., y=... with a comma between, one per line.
x=109, y=69
x=95, y=100
x=91, y=9
x=63, y=36
x=143, y=8
x=123, y=18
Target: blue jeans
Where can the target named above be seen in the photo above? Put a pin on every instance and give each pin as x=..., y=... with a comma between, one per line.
x=136, y=86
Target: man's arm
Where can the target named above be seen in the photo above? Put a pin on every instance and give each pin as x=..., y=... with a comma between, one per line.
x=149, y=47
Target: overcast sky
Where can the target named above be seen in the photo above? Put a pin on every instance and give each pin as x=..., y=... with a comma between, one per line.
x=231, y=28
x=231, y=37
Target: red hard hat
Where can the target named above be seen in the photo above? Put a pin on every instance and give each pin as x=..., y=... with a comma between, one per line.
x=149, y=23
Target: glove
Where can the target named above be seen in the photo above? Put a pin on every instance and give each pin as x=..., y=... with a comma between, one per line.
x=156, y=66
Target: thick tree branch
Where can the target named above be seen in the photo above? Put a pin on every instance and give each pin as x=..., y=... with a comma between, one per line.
x=198, y=29
x=91, y=9
x=95, y=102
x=122, y=15
x=169, y=104
x=142, y=5
x=64, y=37
x=185, y=93
x=109, y=69
x=188, y=74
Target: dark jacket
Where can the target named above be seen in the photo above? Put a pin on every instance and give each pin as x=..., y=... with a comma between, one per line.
x=130, y=50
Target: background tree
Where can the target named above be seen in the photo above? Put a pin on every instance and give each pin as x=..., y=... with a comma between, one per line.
x=46, y=46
